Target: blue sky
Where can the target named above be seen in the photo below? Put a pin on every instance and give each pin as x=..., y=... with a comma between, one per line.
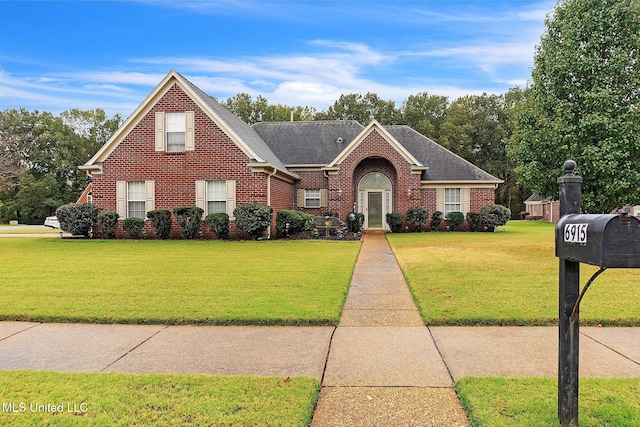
x=58, y=55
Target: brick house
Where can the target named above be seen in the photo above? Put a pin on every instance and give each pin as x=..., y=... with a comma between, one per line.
x=182, y=148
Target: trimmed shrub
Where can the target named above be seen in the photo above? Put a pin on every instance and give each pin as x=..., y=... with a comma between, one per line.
x=77, y=218
x=395, y=221
x=494, y=216
x=161, y=222
x=218, y=222
x=473, y=219
x=355, y=220
x=134, y=226
x=436, y=219
x=298, y=221
x=417, y=216
x=188, y=219
x=108, y=223
x=454, y=220
x=253, y=218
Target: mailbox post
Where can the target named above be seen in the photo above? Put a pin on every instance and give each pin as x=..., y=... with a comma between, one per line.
x=607, y=241
x=569, y=287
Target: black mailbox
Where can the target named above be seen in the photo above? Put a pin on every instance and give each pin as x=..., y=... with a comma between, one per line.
x=608, y=241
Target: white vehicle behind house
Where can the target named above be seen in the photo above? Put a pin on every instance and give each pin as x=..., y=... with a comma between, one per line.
x=52, y=221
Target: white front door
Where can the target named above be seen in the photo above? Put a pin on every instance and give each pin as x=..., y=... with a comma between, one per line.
x=374, y=200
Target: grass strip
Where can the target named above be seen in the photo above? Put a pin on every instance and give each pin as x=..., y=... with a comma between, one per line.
x=509, y=277
x=526, y=402
x=115, y=399
x=175, y=282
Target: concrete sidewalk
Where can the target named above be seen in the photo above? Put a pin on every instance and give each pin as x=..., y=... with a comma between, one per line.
x=380, y=366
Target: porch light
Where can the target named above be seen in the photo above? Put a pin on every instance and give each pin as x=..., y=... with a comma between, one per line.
x=409, y=192
x=339, y=194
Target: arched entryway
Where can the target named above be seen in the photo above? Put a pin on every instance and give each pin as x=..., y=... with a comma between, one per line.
x=375, y=200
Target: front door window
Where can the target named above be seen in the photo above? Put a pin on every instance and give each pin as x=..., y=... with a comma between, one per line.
x=374, y=209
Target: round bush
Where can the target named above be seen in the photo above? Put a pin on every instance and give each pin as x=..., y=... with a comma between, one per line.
x=494, y=216
x=253, y=218
x=77, y=218
x=188, y=218
x=108, y=223
x=395, y=221
x=161, y=222
x=218, y=223
x=134, y=226
x=417, y=216
x=473, y=219
x=454, y=220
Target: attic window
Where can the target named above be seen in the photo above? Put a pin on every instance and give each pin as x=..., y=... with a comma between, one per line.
x=176, y=129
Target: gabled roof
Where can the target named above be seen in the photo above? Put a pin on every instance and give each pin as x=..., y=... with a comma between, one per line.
x=443, y=164
x=242, y=134
x=374, y=125
x=313, y=143
x=316, y=143
x=308, y=143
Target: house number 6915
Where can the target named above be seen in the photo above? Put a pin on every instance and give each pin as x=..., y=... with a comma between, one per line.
x=575, y=233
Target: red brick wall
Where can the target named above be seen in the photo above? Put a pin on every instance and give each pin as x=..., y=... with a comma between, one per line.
x=374, y=152
x=481, y=197
x=311, y=180
x=215, y=157
x=428, y=199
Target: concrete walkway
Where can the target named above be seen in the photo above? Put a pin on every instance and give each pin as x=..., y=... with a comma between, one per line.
x=384, y=367
x=380, y=366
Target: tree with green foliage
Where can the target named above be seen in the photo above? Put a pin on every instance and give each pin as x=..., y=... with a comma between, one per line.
x=362, y=109
x=250, y=111
x=46, y=150
x=477, y=129
x=425, y=113
x=584, y=104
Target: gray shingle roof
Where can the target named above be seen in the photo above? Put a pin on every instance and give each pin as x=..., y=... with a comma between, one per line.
x=443, y=164
x=309, y=143
x=242, y=129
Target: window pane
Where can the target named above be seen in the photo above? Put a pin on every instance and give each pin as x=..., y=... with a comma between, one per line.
x=215, y=207
x=216, y=196
x=175, y=122
x=451, y=200
x=175, y=131
x=312, y=198
x=136, y=209
x=175, y=141
x=135, y=191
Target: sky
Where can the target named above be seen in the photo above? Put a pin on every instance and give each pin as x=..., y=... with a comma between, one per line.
x=59, y=55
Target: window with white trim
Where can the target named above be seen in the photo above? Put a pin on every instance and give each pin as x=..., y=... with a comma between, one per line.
x=175, y=128
x=216, y=196
x=311, y=198
x=452, y=200
x=136, y=198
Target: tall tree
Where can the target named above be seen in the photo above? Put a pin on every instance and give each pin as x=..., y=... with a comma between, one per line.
x=425, y=113
x=362, y=109
x=49, y=149
x=584, y=104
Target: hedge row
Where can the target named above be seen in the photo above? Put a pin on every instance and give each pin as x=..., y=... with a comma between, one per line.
x=417, y=216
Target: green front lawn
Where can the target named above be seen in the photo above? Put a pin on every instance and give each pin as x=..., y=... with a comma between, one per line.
x=526, y=402
x=509, y=277
x=115, y=399
x=175, y=282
